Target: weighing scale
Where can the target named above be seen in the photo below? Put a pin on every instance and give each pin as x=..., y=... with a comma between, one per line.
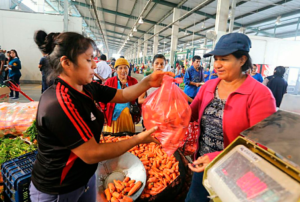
x=249, y=169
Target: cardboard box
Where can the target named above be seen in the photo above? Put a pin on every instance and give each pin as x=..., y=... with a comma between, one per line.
x=4, y=94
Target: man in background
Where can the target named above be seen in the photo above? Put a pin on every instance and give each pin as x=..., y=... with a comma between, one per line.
x=193, y=78
x=206, y=74
x=2, y=62
x=167, y=67
x=103, y=70
x=257, y=76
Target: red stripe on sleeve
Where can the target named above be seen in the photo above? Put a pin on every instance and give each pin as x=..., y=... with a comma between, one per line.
x=77, y=116
x=68, y=166
x=74, y=112
x=59, y=98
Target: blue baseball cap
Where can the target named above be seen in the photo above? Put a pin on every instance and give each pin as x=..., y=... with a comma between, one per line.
x=230, y=43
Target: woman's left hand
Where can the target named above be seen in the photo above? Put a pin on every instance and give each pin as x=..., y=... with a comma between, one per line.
x=156, y=78
x=200, y=164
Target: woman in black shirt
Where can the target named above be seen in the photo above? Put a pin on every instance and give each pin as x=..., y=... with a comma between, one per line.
x=70, y=121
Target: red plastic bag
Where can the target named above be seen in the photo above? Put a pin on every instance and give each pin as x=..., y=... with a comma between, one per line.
x=168, y=109
x=189, y=144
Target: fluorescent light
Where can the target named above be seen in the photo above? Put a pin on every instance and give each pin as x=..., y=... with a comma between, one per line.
x=203, y=25
x=185, y=32
x=141, y=21
x=130, y=35
x=134, y=29
x=278, y=20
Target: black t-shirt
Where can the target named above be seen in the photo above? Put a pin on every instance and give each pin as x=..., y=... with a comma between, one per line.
x=67, y=118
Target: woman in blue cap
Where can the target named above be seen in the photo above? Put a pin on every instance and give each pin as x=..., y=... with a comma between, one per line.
x=226, y=106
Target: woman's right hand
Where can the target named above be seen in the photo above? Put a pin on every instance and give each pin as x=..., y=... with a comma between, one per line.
x=145, y=137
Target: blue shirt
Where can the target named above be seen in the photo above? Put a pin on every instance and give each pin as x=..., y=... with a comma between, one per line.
x=212, y=76
x=208, y=74
x=192, y=75
x=15, y=67
x=258, y=77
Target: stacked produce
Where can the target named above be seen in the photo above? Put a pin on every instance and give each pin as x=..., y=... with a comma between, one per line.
x=161, y=169
x=15, y=118
x=119, y=191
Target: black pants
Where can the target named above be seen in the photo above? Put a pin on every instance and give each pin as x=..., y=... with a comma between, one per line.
x=15, y=78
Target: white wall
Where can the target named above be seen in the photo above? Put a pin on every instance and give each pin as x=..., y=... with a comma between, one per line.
x=17, y=30
x=275, y=52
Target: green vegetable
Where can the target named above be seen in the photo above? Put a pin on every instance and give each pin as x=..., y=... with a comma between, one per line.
x=31, y=131
x=12, y=148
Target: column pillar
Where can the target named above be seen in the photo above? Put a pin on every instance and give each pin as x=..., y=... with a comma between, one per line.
x=155, y=39
x=134, y=53
x=139, y=49
x=5, y=4
x=174, y=35
x=222, y=17
x=232, y=15
x=145, y=54
x=66, y=15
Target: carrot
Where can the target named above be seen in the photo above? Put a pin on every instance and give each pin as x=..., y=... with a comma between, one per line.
x=127, y=189
x=127, y=199
x=153, y=193
x=135, y=188
x=107, y=194
x=126, y=179
x=116, y=195
x=131, y=181
x=173, y=176
x=153, y=179
x=113, y=199
x=111, y=187
x=118, y=185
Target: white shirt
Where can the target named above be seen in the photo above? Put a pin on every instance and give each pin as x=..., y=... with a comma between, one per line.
x=103, y=70
x=167, y=68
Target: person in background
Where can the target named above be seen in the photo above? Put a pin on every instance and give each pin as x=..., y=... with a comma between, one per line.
x=181, y=75
x=7, y=60
x=193, y=78
x=44, y=42
x=257, y=76
x=2, y=63
x=226, y=106
x=178, y=68
x=14, y=73
x=277, y=84
x=97, y=57
x=122, y=57
x=214, y=74
x=206, y=74
x=112, y=66
x=118, y=117
x=103, y=70
x=130, y=69
x=158, y=64
x=167, y=67
x=134, y=69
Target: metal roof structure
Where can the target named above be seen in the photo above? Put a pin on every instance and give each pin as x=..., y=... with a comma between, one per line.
x=117, y=18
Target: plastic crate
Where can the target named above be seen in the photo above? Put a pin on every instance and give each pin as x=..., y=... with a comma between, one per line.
x=17, y=176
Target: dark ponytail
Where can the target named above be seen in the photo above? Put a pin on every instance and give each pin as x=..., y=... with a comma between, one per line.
x=45, y=41
x=69, y=44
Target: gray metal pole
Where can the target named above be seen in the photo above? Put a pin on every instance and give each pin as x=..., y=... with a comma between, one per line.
x=66, y=15
x=297, y=29
x=233, y=6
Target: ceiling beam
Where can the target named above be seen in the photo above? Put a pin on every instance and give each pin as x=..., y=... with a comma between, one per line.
x=261, y=9
x=123, y=15
x=278, y=26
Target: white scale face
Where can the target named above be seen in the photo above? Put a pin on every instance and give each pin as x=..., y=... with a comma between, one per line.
x=243, y=176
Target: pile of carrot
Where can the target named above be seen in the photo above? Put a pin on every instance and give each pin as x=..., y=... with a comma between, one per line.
x=118, y=191
x=161, y=169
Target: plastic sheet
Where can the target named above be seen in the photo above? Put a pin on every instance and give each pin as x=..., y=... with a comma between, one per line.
x=15, y=118
x=168, y=109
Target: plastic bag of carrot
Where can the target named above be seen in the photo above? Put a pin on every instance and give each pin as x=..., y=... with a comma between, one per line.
x=162, y=170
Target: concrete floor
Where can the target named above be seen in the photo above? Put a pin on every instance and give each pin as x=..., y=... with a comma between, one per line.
x=34, y=92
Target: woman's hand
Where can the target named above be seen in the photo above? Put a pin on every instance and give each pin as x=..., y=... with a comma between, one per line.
x=156, y=78
x=200, y=164
x=145, y=137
